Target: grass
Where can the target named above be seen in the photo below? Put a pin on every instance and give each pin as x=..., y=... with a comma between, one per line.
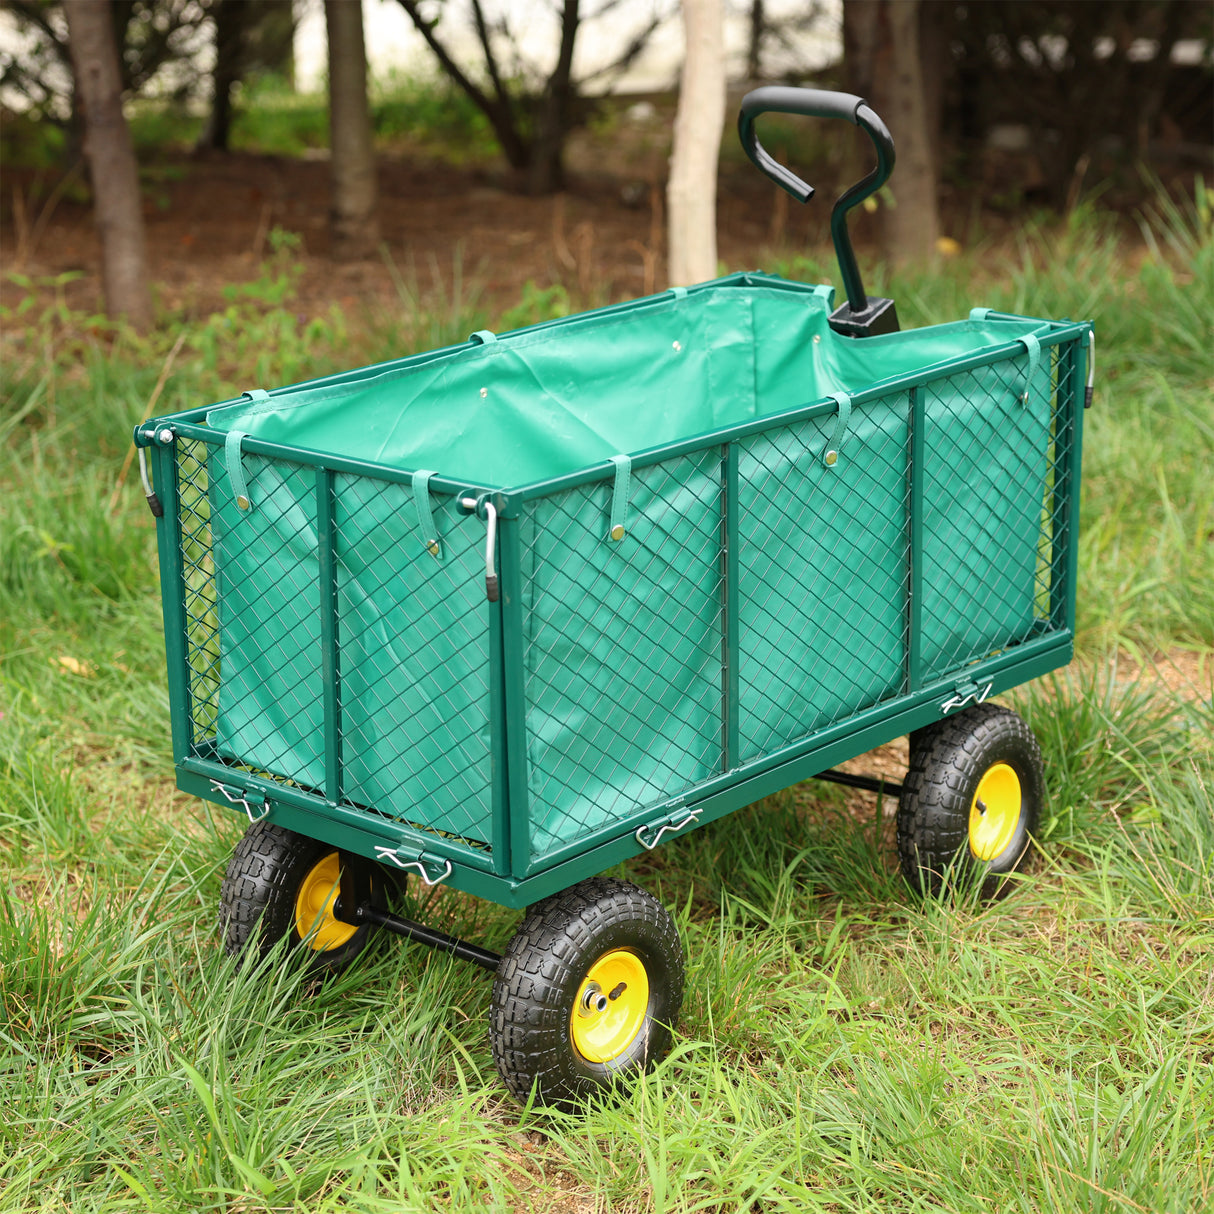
x=843, y=1046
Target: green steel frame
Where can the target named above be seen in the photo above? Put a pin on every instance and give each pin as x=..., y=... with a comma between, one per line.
x=506, y=873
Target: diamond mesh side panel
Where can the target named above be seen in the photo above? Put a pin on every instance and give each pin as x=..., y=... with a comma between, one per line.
x=414, y=659
x=200, y=593
x=823, y=566
x=622, y=647
x=412, y=640
x=988, y=461
x=270, y=706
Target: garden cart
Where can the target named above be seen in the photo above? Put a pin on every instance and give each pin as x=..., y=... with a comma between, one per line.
x=503, y=615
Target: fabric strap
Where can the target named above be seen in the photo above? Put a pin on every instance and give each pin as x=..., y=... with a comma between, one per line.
x=1033, y=346
x=831, y=456
x=619, y=497
x=425, y=516
x=236, y=477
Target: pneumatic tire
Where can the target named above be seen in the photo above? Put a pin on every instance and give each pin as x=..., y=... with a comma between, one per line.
x=971, y=802
x=282, y=885
x=589, y=990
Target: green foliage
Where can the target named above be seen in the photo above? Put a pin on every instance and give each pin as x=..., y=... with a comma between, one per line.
x=430, y=113
x=844, y=1045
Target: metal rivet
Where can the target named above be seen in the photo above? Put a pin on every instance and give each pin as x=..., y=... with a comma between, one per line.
x=484, y=393
x=617, y=532
x=817, y=338
x=432, y=547
x=832, y=458
x=676, y=346
x=165, y=436
x=242, y=502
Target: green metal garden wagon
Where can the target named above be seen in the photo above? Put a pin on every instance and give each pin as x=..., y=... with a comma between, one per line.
x=505, y=614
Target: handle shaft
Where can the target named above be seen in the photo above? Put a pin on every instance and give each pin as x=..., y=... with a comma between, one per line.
x=820, y=103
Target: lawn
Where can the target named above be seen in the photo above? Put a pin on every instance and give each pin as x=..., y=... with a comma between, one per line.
x=844, y=1045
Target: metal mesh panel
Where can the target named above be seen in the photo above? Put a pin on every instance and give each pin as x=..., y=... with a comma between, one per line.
x=989, y=461
x=823, y=567
x=199, y=592
x=412, y=648
x=415, y=678
x=622, y=648
x=270, y=704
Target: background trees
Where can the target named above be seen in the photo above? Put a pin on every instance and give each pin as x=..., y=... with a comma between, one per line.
x=354, y=226
x=111, y=159
x=532, y=111
x=1085, y=92
x=692, y=191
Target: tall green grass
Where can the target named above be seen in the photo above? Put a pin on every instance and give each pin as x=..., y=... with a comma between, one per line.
x=844, y=1046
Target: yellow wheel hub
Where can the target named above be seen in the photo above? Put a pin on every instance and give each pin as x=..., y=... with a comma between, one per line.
x=314, y=919
x=995, y=812
x=610, y=1007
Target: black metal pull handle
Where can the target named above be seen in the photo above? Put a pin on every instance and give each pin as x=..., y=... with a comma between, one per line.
x=820, y=103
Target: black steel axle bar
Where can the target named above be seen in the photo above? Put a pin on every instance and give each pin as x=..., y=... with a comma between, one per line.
x=428, y=936
x=868, y=783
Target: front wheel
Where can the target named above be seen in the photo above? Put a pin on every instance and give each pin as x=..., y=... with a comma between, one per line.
x=589, y=989
x=970, y=802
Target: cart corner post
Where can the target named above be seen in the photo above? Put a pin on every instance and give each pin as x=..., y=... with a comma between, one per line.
x=1070, y=411
x=512, y=815
x=914, y=599
x=173, y=593
x=326, y=543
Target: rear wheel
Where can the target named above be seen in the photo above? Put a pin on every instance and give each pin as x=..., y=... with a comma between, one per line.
x=280, y=884
x=971, y=801
x=589, y=989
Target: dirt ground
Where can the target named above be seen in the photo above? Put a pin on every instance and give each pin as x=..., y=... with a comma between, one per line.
x=209, y=219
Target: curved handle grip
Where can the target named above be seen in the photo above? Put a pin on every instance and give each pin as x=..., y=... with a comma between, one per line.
x=779, y=99
x=820, y=103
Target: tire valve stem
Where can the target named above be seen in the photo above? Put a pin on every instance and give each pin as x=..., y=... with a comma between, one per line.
x=981, y=804
x=619, y=990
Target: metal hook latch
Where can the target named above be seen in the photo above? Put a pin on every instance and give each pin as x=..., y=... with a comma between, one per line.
x=1088, y=387
x=242, y=801
x=669, y=826
x=492, y=586
x=387, y=853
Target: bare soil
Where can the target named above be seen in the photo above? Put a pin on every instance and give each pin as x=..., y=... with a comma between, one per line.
x=209, y=219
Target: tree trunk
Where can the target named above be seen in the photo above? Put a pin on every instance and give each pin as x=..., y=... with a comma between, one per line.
x=883, y=62
x=547, y=171
x=117, y=207
x=754, y=47
x=912, y=226
x=352, y=217
x=230, y=20
x=692, y=192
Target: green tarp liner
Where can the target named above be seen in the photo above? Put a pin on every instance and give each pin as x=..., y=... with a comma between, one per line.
x=623, y=643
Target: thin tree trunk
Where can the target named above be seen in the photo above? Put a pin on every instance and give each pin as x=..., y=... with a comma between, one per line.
x=353, y=220
x=117, y=207
x=546, y=172
x=230, y=19
x=754, y=48
x=692, y=192
x=912, y=226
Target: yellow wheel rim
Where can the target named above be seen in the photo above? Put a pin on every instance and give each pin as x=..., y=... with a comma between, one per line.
x=610, y=1007
x=995, y=812
x=314, y=919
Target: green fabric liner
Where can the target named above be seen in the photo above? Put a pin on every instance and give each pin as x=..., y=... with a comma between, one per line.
x=564, y=397
x=413, y=650
x=623, y=642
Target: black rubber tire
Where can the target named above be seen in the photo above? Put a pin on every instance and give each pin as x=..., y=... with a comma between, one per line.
x=538, y=980
x=257, y=898
x=948, y=759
